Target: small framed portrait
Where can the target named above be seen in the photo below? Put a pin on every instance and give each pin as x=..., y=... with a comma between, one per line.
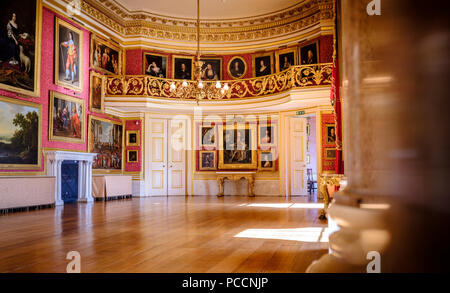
x=207, y=160
x=132, y=156
x=67, y=119
x=285, y=59
x=211, y=68
x=133, y=138
x=267, y=135
x=155, y=65
x=308, y=129
x=96, y=93
x=331, y=133
x=207, y=136
x=308, y=146
x=266, y=160
x=237, y=67
x=308, y=159
x=330, y=153
x=182, y=67
x=68, y=55
x=262, y=64
x=309, y=54
x=105, y=56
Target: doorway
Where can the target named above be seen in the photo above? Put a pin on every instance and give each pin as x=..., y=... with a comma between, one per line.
x=167, y=157
x=69, y=181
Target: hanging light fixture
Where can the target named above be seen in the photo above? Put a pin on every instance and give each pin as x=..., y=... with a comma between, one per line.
x=199, y=89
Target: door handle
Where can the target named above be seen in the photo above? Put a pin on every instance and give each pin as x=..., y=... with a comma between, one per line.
x=164, y=166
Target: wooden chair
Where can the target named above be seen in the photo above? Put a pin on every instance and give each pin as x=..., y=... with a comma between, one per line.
x=311, y=183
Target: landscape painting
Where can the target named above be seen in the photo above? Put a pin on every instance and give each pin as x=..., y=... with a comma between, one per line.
x=20, y=25
x=66, y=121
x=20, y=134
x=105, y=139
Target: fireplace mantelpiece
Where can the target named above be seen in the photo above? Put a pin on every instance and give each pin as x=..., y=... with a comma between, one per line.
x=54, y=161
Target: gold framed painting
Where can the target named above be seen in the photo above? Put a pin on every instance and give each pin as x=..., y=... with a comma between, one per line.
x=20, y=61
x=105, y=56
x=133, y=138
x=68, y=55
x=267, y=134
x=330, y=153
x=266, y=160
x=238, y=146
x=309, y=54
x=106, y=140
x=155, y=64
x=96, y=93
x=211, y=68
x=182, y=67
x=67, y=118
x=237, y=67
x=331, y=133
x=207, y=136
x=132, y=156
x=20, y=135
x=285, y=58
x=207, y=160
x=262, y=64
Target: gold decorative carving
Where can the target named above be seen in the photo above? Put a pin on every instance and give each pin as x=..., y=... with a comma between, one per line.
x=325, y=180
x=147, y=86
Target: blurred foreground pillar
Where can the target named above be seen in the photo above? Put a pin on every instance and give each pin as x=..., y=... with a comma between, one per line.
x=395, y=91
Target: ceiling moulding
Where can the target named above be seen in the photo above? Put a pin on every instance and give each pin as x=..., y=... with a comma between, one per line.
x=148, y=28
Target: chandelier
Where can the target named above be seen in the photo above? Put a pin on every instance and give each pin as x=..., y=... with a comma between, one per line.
x=199, y=89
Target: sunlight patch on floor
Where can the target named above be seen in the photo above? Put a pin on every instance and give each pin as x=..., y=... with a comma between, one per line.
x=309, y=234
x=286, y=205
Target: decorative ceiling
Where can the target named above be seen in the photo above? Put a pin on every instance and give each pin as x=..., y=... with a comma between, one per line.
x=227, y=26
x=209, y=9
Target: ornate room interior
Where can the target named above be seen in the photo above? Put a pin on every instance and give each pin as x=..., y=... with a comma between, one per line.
x=222, y=136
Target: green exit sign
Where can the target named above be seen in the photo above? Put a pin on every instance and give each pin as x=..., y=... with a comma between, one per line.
x=299, y=113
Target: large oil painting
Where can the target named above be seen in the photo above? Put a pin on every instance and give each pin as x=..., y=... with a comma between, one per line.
x=105, y=56
x=237, y=146
x=68, y=55
x=105, y=139
x=67, y=118
x=20, y=134
x=20, y=37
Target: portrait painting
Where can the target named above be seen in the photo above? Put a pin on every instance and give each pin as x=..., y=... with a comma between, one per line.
x=309, y=54
x=207, y=135
x=20, y=46
x=105, y=56
x=182, y=67
x=105, y=140
x=68, y=55
x=132, y=156
x=20, y=134
x=262, y=65
x=155, y=65
x=330, y=153
x=267, y=134
x=266, y=161
x=285, y=59
x=211, y=68
x=133, y=138
x=207, y=160
x=66, y=121
x=96, y=93
x=237, y=67
x=237, y=146
x=331, y=133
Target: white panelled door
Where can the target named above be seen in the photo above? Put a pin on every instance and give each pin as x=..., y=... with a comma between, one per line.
x=167, y=157
x=297, y=136
x=176, y=157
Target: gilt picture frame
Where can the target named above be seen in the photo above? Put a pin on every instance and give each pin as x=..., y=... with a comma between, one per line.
x=207, y=160
x=96, y=92
x=133, y=138
x=105, y=56
x=238, y=146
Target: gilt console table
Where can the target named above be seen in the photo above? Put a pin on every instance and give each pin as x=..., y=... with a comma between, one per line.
x=236, y=176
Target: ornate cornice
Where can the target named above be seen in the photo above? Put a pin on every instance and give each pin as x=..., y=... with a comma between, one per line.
x=145, y=25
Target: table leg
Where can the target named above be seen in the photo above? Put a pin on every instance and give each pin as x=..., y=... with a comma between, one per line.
x=251, y=185
x=221, y=187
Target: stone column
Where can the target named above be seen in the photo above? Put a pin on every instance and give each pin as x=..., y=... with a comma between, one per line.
x=396, y=138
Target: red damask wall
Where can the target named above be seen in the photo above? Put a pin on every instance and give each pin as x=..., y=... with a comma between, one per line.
x=328, y=165
x=134, y=125
x=47, y=85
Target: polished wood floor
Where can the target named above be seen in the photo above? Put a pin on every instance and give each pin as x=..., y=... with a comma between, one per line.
x=175, y=234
